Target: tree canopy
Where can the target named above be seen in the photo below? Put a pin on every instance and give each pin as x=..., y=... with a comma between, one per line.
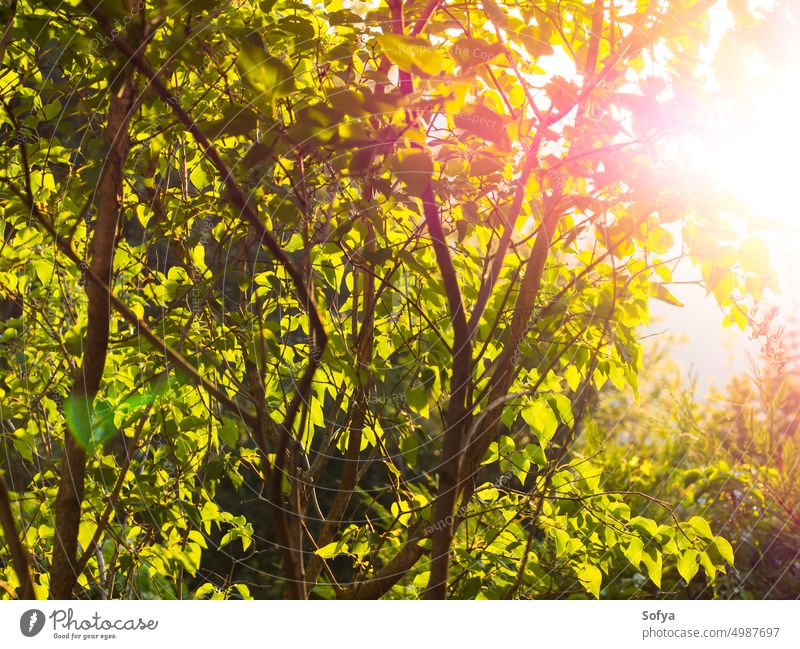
x=315, y=300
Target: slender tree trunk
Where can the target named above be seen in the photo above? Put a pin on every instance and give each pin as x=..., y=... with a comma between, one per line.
x=86, y=384
x=457, y=413
x=504, y=376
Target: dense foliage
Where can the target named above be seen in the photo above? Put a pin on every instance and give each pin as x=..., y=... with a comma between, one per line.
x=731, y=457
x=312, y=300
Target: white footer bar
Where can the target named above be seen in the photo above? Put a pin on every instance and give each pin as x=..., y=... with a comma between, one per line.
x=390, y=625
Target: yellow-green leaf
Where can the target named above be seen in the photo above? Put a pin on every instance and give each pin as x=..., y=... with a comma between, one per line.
x=591, y=578
x=410, y=54
x=653, y=563
x=264, y=73
x=688, y=564
x=634, y=552
x=724, y=548
x=469, y=52
x=328, y=551
x=414, y=168
x=660, y=292
x=754, y=256
x=701, y=526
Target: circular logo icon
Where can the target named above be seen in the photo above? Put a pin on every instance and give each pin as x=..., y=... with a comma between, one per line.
x=31, y=622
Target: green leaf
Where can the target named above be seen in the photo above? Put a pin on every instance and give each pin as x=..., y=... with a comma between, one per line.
x=44, y=269
x=487, y=493
x=659, y=240
x=205, y=589
x=688, y=564
x=653, y=562
x=591, y=578
x=264, y=73
x=172, y=7
x=573, y=377
x=708, y=566
x=411, y=54
x=634, y=552
x=724, y=548
x=660, y=292
x=470, y=52
x=562, y=541
x=645, y=524
x=234, y=120
x=91, y=424
x=719, y=281
x=701, y=526
x=542, y=421
x=754, y=256
x=535, y=454
x=414, y=168
x=229, y=433
x=328, y=551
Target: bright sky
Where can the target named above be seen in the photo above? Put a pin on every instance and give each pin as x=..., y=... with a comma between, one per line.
x=753, y=138
x=751, y=146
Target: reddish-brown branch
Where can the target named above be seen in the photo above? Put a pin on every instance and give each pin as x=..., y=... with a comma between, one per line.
x=319, y=338
x=457, y=409
x=237, y=197
x=425, y=16
x=503, y=377
x=64, y=574
x=382, y=582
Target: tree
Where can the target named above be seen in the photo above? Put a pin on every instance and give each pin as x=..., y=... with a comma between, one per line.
x=365, y=268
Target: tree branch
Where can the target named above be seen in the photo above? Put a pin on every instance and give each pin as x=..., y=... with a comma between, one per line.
x=19, y=556
x=457, y=410
x=238, y=199
x=86, y=384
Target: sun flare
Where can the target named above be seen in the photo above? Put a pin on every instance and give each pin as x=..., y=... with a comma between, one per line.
x=749, y=141
x=751, y=147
